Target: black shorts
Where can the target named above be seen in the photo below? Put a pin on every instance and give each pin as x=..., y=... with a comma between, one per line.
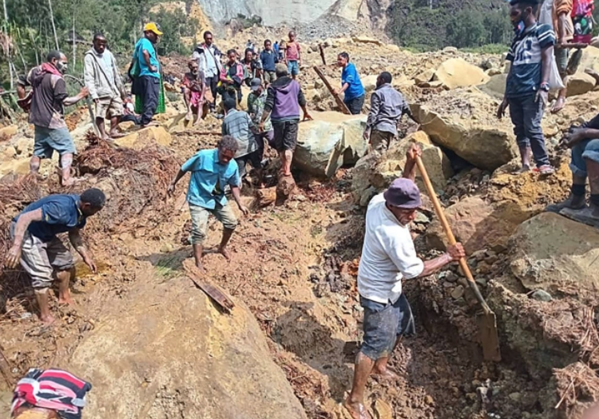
x=355, y=105
x=285, y=135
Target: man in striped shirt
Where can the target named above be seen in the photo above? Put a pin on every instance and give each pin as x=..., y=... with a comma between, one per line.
x=239, y=125
x=527, y=86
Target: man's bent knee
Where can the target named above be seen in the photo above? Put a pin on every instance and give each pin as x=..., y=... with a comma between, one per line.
x=591, y=151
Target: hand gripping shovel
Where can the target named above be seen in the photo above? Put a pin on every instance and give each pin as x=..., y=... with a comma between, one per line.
x=486, y=322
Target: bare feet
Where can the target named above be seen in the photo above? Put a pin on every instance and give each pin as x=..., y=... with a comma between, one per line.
x=115, y=135
x=559, y=104
x=47, y=319
x=356, y=410
x=385, y=374
x=65, y=298
x=223, y=251
x=200, y=266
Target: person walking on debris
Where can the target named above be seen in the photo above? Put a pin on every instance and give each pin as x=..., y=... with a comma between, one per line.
x=387, y=106
x=388, y=257
x=238, y=125
x=145, y=72
x=208, y=57
x=283, y=102
x=269, y=59
x=584, y=142
x=41, y=253
x=253, y=66
x=293, y=55
x=105, y=86
x=564, y=30
x=527, y=86
x=231, y=78
x=211, y=171
x=256, y=104
x=194, y=87
x=351, y=85
x=46, y=113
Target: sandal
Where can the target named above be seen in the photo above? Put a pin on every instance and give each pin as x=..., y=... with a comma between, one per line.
x=546, y=169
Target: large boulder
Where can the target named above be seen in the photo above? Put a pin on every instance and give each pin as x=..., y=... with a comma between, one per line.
x=555, y=254
x=328, y=142
x=464, y=121
x=478, y=224
x=140, y=139
x=456, y=72
x=369, y=82
x=6, y=133
x=580, y=83
x=590, y=59
x=164, y=350
x=495, y=87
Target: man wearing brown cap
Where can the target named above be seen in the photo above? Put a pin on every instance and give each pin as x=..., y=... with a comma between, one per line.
x=388, y=257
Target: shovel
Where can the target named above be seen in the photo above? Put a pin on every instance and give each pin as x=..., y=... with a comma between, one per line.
x=487, y=323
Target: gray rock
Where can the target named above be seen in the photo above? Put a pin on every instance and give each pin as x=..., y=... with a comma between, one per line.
x=541, y=295
x=458, y=292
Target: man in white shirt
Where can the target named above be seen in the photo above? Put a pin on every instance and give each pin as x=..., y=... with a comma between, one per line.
x=208, y=56
x=388, y=257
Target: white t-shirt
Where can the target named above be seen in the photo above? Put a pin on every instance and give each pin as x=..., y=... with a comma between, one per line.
x=388, y=255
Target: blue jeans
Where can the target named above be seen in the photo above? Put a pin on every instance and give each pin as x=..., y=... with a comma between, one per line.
x=586, y=149
x=293, y=68
x=526, y=114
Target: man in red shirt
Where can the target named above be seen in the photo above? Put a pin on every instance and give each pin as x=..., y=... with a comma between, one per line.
x=293, y=57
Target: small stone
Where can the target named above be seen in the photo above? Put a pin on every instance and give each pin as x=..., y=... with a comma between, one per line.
x=428, y=400
x=458, y=292
x=451, y=277
x=515, y=396
x=421, y=218
x=447, y=284
x=541, y=295
x=481, y=281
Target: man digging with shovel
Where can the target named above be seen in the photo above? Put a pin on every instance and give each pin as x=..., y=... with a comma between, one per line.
x=388, y=257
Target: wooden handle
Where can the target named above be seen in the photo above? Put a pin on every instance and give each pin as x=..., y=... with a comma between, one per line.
x=450, y=237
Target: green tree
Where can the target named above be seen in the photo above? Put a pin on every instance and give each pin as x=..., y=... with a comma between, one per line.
x=174, y=25
x=466, y=29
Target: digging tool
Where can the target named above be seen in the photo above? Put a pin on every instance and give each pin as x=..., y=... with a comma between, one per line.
x=322, y=54
x=89, y=104
x=338, y=100
x=487, y=323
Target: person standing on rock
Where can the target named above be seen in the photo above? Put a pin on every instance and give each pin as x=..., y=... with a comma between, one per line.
x=293, y=55
x=41, y=253
x=388, y=258
x=584, y=142
x=527, y=86
x=351, y=85
x=47, y=114
x=211, y=172
x=102, y=78
x=387, y=106
x=146, y=74
x=269, y=59
x=283, y=102
x=194, y=88
x=208, y=57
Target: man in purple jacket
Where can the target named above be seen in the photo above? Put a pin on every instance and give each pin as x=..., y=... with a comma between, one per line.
x=283, y=102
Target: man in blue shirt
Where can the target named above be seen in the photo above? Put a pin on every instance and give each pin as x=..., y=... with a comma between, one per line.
x=527, y=85
x=41, y=253
x=269, y=58
x=147, y=82
x=211, y=171
x=351, y=85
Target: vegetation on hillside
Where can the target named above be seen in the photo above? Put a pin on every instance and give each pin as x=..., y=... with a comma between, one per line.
x=29, y=29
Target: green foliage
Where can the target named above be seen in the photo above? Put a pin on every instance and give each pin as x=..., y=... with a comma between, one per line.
x=174, y=25
x=432, y=24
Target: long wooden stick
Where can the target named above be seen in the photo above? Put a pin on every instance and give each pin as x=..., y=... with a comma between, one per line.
x=450, y=236
x=338, y=100
x=324, y=61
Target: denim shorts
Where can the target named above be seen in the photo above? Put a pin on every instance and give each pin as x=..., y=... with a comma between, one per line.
x=199, y=220
x=382, y=326
x=293, y=67
x=586, y=149
x=48, y=140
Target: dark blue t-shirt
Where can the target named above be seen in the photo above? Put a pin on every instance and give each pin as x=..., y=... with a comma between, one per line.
x=526, y=57
x=60, y=213
x=269, y=59
x=350, y=76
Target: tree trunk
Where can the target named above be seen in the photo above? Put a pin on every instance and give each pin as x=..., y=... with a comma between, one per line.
x=53, y=25
x=10, y=67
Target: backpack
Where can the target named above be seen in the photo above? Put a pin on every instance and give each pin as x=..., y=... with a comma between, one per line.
x=582, y=19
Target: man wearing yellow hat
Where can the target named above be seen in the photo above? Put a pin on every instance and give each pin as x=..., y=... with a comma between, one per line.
x=145, y=72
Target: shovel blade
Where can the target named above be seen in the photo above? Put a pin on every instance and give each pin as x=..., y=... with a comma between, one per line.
x=487, y=325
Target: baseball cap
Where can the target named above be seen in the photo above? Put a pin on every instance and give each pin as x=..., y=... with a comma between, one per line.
x=152, y=27
x=255, y=84
x=281, y=68
x=403, y=193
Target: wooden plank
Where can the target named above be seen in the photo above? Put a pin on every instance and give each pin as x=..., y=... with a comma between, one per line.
x=213, y=291
x=338, y=100
x=324, y=61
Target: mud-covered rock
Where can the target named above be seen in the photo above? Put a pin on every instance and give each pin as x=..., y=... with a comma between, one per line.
x=329, y=142
x=140, y=139
x=6, y=133
x=463, y=121
x=557, y=255
x=580, y=83
x=456, y=72
x=174, y=354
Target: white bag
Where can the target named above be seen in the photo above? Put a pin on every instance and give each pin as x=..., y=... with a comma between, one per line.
x=555, y=80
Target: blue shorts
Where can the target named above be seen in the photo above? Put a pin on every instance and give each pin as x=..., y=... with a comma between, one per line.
x=48, y=140
x=383, y=323
x=293, y=68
